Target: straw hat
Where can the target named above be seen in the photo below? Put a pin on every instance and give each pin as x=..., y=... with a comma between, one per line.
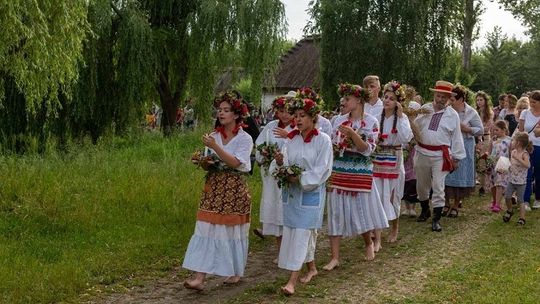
x=443, y=87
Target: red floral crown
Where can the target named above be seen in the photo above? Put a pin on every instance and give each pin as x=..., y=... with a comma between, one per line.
x=280, y=102
x=306, y=104
x=309, y=93
x=238, y=106
x=347, y=89
x=396, y=88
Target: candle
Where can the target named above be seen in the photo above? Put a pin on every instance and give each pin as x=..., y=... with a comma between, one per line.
x=206, y=151
x=268, y=136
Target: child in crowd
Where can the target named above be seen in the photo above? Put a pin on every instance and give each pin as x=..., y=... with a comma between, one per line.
x=517, y=175
x=500, y=147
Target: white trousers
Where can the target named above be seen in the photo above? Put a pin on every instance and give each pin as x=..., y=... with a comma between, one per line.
x=429, y=176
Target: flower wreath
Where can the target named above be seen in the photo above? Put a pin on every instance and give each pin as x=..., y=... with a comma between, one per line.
x=347, y=89
x=280, y=102
x=309, y=93
x=396, y=88
x=306, y=104
x=238, y=106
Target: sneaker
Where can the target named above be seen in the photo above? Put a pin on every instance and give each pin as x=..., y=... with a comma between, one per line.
x=405, y=212
x=412, y=213
x=536, y=205
x=527, y=207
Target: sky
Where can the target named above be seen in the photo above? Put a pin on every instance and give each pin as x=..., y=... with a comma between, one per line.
x=297, y=18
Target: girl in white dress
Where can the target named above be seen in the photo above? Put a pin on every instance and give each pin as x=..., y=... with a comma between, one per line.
x=219, y=244
x=354, y=205
x=304, y=195
x=389, y=171
x=275, y=132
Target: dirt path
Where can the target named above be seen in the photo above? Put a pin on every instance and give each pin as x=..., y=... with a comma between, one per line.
x=400, y=270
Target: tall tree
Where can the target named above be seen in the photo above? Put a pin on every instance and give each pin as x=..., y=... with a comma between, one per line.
x=405, y=40
x=468, y=29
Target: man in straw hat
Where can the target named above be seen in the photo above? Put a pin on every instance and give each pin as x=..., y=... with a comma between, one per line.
x=439, y=149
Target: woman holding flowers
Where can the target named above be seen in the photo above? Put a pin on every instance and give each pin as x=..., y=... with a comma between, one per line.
x=303, y=166
x=219, y=244
x=270, y=140
x=388, y=169
x=354, y=205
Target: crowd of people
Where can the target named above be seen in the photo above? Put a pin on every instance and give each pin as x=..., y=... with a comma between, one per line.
x=383, y=149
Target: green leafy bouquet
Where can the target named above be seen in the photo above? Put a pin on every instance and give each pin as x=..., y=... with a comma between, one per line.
x=283, y=173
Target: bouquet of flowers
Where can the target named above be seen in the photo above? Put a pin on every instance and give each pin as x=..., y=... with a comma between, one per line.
x=282, y=174
x=484, y=163
x=208, y=162
x=268, y=152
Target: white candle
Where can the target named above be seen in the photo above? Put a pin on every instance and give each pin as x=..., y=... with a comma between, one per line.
x=206, y=151
x=268, y=136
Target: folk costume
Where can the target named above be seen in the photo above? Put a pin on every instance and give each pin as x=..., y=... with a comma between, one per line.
x=388, y=167
x=219, y=244
x=303, y=203
x=271, y=209
x=354, y=204
x=441, y=142
x=461, y=182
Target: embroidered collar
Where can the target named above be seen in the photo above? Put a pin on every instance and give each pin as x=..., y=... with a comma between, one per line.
x=221, y=130
x=283, y=126
x=309, y=136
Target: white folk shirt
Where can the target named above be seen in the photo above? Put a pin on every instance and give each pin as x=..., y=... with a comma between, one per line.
x=440, y=128
x=470, y=117
x=375, y=109
x=529, y=123
x=240, y=147
x=324, y=125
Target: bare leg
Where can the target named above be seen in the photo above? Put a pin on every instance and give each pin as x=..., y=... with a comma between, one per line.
x=334, y=247
x=312, y=271
x=370, y=252
x=377, y=240
x=278, y=244
x=392, y=237
x=521, y=210
x=197, y=282
x=289, y=288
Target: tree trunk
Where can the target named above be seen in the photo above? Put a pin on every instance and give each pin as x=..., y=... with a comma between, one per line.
x=169, y=103
x=468, y=29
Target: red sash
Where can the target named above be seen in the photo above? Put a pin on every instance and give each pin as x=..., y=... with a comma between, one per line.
x=448, y=165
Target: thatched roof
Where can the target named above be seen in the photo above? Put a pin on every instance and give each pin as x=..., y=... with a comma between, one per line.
x=299, y=67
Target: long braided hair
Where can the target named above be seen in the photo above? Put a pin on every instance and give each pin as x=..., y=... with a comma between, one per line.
x=396, y=88
x=394, y=123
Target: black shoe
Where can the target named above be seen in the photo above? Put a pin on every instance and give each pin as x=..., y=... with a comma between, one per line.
x=424, y=216
x=481, y=191
x=436, y=226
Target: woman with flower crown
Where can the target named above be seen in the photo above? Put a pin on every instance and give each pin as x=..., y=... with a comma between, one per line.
x=304, y=193
x=388, y=169
x=273, y=136
x=354, y=205
x=219, y=244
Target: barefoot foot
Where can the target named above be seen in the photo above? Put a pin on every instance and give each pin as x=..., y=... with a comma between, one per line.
x=370, y=253
x=392, y=237
x=377, y=245
x=307, y=278
x=331, y=265
x=232, y=280
x=287, y=290
x=194, y=285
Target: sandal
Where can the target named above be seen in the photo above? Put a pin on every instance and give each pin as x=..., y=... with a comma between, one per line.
x=521, y=221
x=507, y=216
x=453, y=213
x=445, y=211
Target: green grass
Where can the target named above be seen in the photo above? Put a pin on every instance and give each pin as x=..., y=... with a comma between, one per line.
x=71, y=224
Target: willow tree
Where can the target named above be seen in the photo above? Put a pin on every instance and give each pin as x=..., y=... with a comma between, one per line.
x=40, y=50
x=405, y=40
x=184, y=45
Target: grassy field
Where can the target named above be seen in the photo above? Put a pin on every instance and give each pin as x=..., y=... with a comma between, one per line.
x=120, y=214
x=96, y=216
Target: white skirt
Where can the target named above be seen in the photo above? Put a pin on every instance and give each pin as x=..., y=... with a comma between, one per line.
x=353, y=215
x=271, y=212
x=391, y=203
x=218, y=249
x=297, y=248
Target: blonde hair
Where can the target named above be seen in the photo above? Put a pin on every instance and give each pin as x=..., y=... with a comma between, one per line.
x=523, y=139
x=523, y=103
x=370, y=79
